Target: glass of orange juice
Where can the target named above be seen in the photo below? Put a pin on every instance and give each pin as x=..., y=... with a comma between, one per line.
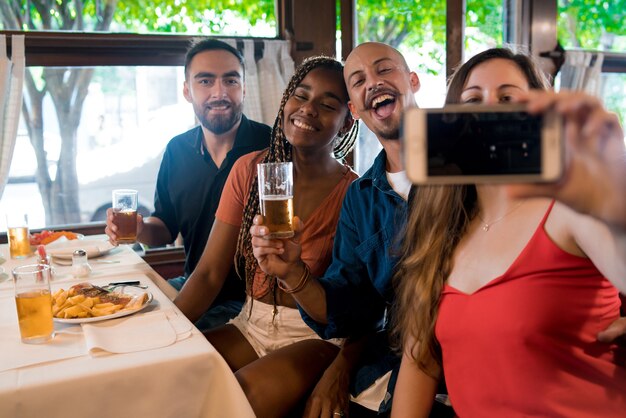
x=34, y=303
x=19, y=235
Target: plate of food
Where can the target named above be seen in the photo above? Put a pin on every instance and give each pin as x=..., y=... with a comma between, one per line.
x=86, y=302
x=46, y=237
x=93, y=247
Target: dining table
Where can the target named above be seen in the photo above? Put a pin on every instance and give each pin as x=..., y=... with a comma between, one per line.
x=152, y=363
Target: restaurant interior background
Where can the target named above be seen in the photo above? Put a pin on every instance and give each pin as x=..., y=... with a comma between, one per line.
x=117, y=65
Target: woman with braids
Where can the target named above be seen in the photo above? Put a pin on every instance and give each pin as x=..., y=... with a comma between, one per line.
x=507, y=290
x=276, y=356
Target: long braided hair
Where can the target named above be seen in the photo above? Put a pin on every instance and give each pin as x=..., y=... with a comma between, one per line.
x=280, y=151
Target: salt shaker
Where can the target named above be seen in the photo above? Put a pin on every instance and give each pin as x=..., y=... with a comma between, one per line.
x=80, y=266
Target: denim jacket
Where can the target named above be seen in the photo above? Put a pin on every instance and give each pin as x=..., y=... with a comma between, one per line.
x=358, y=280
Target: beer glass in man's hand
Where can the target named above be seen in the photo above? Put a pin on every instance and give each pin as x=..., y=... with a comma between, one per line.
x=125, y=215
x=276, y=198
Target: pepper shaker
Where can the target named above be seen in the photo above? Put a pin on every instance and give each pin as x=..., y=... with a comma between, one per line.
x=42, y=256
x=80, y=266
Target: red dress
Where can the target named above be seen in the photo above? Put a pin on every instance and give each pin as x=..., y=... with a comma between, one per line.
x=524, y=344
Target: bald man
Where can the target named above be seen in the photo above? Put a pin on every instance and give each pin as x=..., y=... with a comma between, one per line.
x=357, y=284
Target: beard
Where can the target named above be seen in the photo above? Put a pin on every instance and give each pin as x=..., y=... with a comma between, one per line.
x=390, y=130
x=219, y=124
x=389, y=133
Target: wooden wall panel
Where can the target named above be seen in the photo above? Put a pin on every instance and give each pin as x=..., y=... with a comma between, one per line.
x=312, y=26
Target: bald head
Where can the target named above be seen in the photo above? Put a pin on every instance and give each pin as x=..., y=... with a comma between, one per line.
x=375, y=49
x=381, y=86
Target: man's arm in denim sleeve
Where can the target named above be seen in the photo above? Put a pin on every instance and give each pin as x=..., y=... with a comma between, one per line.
x=353, y=305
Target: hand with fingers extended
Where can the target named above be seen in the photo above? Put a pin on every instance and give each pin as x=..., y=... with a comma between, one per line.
x=614, y=333
x=594, y=178
x=275, y=256
x=111, y=228
x=330, y=397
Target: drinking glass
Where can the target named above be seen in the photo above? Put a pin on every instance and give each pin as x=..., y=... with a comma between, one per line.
x=19, y=235
x=276, y=197
x=125, y=215
x=34, y=303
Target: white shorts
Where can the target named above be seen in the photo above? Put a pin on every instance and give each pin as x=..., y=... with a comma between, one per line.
x=373, y=396
x=266, y=336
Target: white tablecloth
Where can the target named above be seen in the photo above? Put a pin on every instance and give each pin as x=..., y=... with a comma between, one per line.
x=186, y=379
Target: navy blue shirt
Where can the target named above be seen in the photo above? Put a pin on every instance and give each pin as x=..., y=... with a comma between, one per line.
x=358, y=281
x=189, y=186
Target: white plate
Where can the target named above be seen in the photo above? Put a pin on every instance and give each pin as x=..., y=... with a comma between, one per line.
x=128, y=290
x=93, y=247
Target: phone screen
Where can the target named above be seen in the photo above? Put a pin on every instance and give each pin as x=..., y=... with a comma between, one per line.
x=483, y=143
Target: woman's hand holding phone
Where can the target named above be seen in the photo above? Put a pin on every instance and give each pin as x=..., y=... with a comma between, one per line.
x=482, y=144
x=594, y=178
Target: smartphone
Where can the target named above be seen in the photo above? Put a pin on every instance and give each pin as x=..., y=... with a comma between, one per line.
x=462, y=144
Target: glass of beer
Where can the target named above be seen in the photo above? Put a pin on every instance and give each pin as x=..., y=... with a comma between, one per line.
x=125, y=215
x=276, y=197
x=34, y=303
x=19, y=235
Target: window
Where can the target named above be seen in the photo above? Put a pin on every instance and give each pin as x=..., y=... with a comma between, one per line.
x=194, y=17
x=597, y=25
x=614, y=93
x=128, y=116
x=132, y=104
x=483, y=26
x=418, y=30
x=592, y=24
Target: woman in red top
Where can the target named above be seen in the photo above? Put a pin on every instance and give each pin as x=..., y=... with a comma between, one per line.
x=509, y=293
x=276, y=357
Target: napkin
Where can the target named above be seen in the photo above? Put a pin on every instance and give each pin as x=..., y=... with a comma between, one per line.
x=135, y=333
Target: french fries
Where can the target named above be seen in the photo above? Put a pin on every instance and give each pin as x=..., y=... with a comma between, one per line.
x=68, y=304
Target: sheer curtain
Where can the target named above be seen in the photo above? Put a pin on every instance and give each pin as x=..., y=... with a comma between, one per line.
x=266, y=79
x=11, y=83
x=582, y=71
x=275, y=69
x=252, y=103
